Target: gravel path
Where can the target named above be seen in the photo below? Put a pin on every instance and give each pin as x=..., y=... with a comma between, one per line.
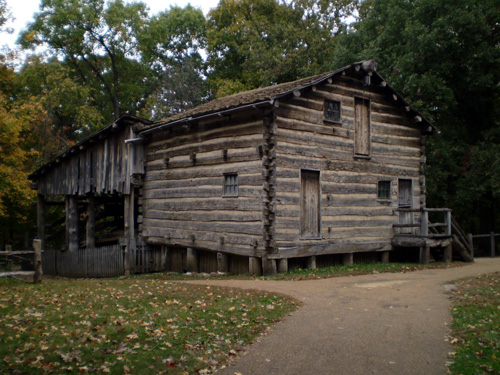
x=373, y=324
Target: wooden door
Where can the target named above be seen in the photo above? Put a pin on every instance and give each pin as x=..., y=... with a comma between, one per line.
x=362, y=137
x=310, y=221
x=405, y=200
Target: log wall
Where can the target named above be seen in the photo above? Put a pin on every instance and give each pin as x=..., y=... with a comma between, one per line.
x=352, y=218
x=183, y=199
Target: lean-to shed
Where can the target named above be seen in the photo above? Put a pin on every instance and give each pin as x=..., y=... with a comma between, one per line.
x=305, y=173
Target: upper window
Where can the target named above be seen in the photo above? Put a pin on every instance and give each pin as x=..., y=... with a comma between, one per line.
x=384, y=190
x=231, y=185
x=332, y=110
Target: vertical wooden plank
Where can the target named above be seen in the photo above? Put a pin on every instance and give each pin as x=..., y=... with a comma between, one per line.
x=72, y=223
x=492, y=244
x=192, y=260
x=40, y=219
x=222, y=263
x=37, y=247
x=90, y=241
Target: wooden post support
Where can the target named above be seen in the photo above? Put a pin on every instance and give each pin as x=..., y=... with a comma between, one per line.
x=254, y=267
x=283, y=265
x=492, y=244
x=268, y=266
x=128, y=226
x=164, y=258
x=37, y=246
x=191, y=260
x=311, y=263
x=385, y=257
x=471, y=242
x=447, y=253
x=40, y=218
x=424, y=223
x=348, y=259
x=448, y=223
x=90, y=236
x=72, y=243
x=425, y=254
x=222, y=263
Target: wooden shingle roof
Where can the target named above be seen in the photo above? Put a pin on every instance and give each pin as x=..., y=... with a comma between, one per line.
x=267, y=95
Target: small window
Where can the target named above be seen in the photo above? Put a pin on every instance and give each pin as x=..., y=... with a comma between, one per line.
x=384, y=190
x=332, y=110
x=231, y=185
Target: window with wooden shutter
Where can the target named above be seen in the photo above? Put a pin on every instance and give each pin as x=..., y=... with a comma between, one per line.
x=231, y=185
x=362, y=142
x=310, y=219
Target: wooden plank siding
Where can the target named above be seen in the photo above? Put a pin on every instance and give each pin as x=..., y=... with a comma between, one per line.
x=183, y=197
x=104, y=167
x=352, y=218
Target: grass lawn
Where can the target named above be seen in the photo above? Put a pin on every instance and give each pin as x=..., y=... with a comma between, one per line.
x=326, y=272
x=476, y=326
x=131, y=325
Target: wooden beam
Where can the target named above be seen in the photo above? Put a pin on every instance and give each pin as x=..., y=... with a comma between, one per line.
x=192, y=260
x=254, y=267
x=37, y=247
x=40, y=219
x=222, y=263
x=72, y=241
x=348, y=259
x=90, y=235
x=283, y=265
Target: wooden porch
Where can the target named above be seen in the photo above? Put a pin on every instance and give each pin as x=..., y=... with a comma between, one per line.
x=444, y=234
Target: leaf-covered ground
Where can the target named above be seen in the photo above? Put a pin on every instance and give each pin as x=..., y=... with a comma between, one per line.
x=133, y=325
x=476, y=326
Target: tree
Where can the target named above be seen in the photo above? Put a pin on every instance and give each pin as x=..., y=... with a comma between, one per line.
x=443, y=56
x=102, y=43
x=254, y=43
x=180, y=35
x=70, y=112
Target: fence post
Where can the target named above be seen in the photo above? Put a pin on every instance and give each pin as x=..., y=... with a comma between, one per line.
x=424, y=223
x=448, y=222
x=471, y=241
x=37, y=246
x=492, y=244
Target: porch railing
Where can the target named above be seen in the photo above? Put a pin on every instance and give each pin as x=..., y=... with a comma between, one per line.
x=425, y=228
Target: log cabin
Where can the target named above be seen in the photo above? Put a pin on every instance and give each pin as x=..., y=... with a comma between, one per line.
x=323, y=170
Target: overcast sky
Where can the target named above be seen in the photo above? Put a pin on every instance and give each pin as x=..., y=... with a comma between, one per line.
x=23, y=11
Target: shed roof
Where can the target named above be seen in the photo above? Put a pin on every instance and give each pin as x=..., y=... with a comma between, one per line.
x=115, y=125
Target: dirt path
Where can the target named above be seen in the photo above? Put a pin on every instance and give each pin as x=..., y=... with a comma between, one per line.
x=373, y=324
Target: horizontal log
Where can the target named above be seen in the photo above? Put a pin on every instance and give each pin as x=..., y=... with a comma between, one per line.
x=217, y=182
x=204, y=217
x=201, y=192
x=205, y=245
x=225, y=143
x=337, y=247
x=209, y=204
x=248, y=228
x=247, y=155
